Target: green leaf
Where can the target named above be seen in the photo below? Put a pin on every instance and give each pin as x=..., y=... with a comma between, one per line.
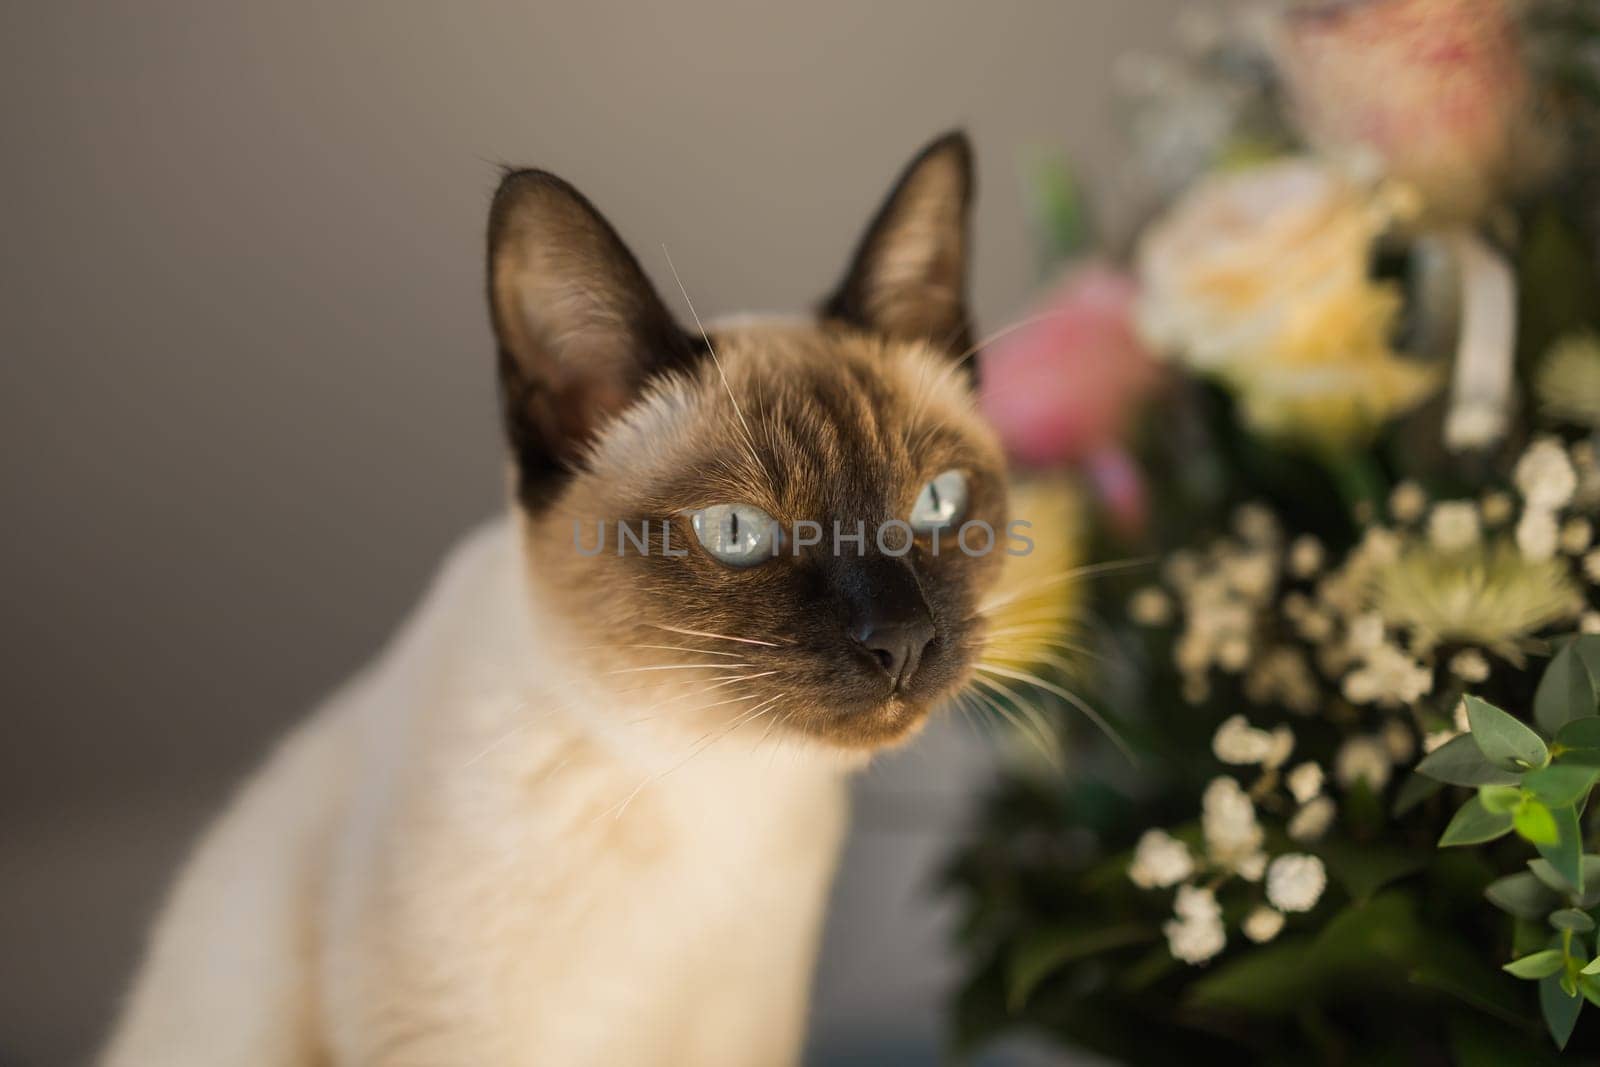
x=1558, y=883
x=1559, y=1009
x=1566, y=692
x=1504, y=740
x=1592, y=967
x=1500, y=798
x=1539, y=965
x=1459, y=761
x=1566, y=854
x=1536, y=823
x=1523, y=895
x=1572, y=919
x=1579, y=742
x=1365, y=869
x=1036, y=958
x=1474, y=824
x=1418, y=788
x=1589, y=988
x=1266, y=981
x=1560, y=785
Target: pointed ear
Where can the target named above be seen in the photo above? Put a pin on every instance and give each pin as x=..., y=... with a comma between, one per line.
x=908, y=277
x=580, y=329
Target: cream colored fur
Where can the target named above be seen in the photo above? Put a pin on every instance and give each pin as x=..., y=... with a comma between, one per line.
x=444, y=867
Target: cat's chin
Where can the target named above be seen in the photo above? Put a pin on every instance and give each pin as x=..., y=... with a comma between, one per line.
x=884, y=724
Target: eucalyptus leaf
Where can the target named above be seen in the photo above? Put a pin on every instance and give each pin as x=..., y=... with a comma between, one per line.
x=1418, y=788
x=1579, y=742
x=1547, y=874
x=1504, y=740
x=1560, y=1010
x=1474, y=824
x=1500, y=798
x=1572, y=919
x=1566, y=854
x=1539, y=965
x=1522, y=895
x=1044, y=952
x=1459, y=761
x=1536, y=823
x=1566, y=692
x=1560, y=784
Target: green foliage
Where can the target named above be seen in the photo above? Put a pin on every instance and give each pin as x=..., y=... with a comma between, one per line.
x=1504, y=740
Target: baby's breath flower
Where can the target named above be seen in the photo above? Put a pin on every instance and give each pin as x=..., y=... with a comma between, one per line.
x=1305, y=556
x=1576, y=536
x=1196, y=934
x=1538, y=535
x=1160, y=860
x=1387, y=677
x=1228, y=821
x=1304, y=782
x=1591, y=566
x=1363, y=759
x=1256, y=524
x=1438, y=739
x=1281, y=675
x=1407, y=502
x=1295, y=882
x=1263, y=924
x=1282, y=746
x=1312, y=820
x=1589, y=622
x=1462, y=723
x=1150, y=606
x=1497, y=508
x=1470, y=665
x=1397, y=738
x=1453, y=526
x=1252, y=867
x=1236, y=741
x=1545, y=477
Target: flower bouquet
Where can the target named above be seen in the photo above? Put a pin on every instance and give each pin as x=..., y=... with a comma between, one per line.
x=1339, y=404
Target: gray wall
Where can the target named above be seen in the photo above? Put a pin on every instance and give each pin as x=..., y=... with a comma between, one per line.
x=245, y=388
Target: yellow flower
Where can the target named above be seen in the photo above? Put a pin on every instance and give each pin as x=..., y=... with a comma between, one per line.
x=1490, y=595
x=1260, y=278
x=1568, y=381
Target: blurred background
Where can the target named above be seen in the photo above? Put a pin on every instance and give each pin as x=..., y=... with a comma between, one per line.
x=246, y=398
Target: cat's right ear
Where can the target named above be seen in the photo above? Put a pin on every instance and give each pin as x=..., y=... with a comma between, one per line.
x=579, y=327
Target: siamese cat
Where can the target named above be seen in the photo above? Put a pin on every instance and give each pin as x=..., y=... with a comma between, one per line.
x=586, y=806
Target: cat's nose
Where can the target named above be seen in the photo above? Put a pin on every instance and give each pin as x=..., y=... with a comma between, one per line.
x=897, y=647
x=887, y=615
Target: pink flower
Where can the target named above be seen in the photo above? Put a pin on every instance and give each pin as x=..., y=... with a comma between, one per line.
x=1435, y=89
x=1061, y=386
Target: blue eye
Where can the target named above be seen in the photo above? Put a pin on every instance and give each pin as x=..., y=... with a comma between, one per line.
x=941, y=503
x=738, y=535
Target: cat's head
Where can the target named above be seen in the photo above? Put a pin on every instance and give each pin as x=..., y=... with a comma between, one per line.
x=792, y=523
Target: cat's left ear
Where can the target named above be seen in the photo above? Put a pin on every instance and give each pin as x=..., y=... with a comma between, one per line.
x=908, y=277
